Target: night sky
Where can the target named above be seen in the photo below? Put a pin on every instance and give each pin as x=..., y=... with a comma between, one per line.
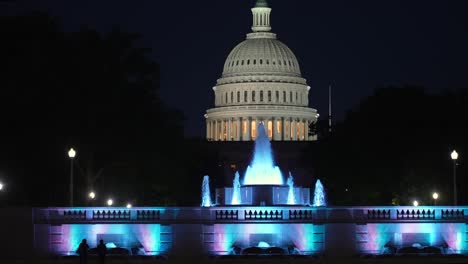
x=356, y=45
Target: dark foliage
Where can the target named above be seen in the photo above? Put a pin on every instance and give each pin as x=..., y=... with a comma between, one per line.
x=95, y=92
x=395, y=147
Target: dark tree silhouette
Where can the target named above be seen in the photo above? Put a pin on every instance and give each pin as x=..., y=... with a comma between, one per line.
x=393, y=148
x=95, y=92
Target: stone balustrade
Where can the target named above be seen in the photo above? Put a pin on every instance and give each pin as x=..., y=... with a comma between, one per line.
x=244, y=213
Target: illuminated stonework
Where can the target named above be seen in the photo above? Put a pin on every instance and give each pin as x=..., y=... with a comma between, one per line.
x=261, y=82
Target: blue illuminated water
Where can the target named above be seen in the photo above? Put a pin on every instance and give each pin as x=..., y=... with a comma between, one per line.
x=262, y=170
x=319, y=195
x=206, y=194
x=291, y=196
x=263, y=244
x=236, y=192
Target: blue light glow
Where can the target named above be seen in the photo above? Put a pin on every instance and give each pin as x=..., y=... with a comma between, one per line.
x=206, y=194
x=291, y=196
x=262, y=170
x=236, y=192
x=144, y=236
x=319, y=195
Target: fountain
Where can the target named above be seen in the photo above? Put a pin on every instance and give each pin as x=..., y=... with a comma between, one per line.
x=262, y=170
x=319, y=195
x=263, y=183
x=206, y=195
x=291, y=196
x=236, y=189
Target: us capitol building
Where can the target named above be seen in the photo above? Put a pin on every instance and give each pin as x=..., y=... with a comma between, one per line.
x=261, y=82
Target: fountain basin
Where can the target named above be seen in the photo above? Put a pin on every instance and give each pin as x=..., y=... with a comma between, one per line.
x=263, y=195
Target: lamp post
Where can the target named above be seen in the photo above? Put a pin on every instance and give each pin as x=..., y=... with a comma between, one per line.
x=454, y=156
x=435, y=196
x=71, y=155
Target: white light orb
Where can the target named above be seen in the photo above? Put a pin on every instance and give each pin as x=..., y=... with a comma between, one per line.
x=71, y=153
x=454, y=155
x=415, y=203
x=110, y=202
x=1, y=186
x=435, y=196
x=129, y=205
x=92, y=195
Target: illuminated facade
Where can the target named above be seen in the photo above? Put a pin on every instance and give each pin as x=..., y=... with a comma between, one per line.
x=297, y=230
x=261, y=82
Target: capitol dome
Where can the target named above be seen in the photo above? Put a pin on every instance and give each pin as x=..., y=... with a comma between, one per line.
x=261, y=54
x=261, y=83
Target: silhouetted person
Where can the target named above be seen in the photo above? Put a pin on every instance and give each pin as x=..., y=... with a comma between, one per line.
x=83, y=252
x=102, y=251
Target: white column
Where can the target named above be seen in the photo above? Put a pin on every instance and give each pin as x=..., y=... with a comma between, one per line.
x=238, y=128
x=307, y=130
x=265, y=124
x=208, y=129
x=222, y=130
x=275, y=135
x=248, y=136
x=257, y=122
x=216, y=131
x=301, y=132
x=284, y=129
x=294, y=129
x=213, y=130
x=229, y=130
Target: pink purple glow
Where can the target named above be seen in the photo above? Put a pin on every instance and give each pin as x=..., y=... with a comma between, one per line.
x=374, y=237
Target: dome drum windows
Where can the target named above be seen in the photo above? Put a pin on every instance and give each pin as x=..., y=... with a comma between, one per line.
x=269, y=96
x=261, y=96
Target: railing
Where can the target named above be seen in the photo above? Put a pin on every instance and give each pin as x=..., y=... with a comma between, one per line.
x=264, y=215
x=378, y=214
x=300, y=214
x=74, y=215
x=111, y=215
x=416, y=214
x=227, y=214
x=148, y=215
x=453, y=214
x=250, y=213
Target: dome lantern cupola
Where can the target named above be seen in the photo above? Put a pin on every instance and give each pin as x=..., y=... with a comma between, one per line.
x=261, y=17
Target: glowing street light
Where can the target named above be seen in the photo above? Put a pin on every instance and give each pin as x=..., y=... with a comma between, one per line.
x=129, y=205
x=454, y=156
x=1, y=186
x=415, y=203
x=435, y=196
x=92, y=195
x=71, y=155
x=110, y=202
